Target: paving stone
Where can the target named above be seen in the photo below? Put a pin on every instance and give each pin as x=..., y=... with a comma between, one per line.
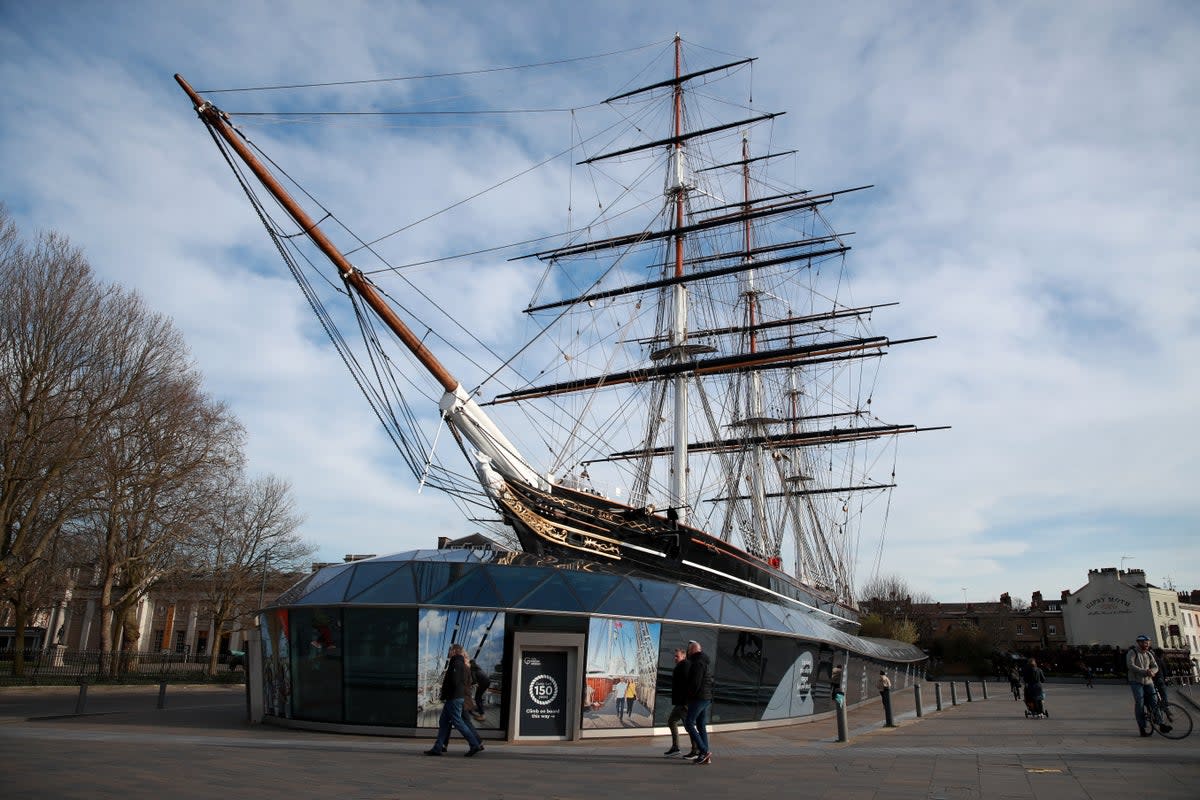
x=199, y=746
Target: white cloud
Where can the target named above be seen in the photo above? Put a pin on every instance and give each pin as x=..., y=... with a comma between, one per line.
x=1035, y=209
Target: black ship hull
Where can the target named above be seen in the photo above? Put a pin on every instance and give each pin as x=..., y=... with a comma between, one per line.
x=575, y=525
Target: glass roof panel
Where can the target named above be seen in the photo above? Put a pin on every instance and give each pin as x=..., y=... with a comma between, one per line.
x=740, y=612
x=331, y=591
x=590, y=587
x=474, y=588
x=554, y=595
x=395, y=588
x=513, y=583
x=658, y=595
x=708, y=599
x=626, y=602
x=432, y=578
x=772, y=617
x=687, y=608
x=312, y=583
x=367, y=573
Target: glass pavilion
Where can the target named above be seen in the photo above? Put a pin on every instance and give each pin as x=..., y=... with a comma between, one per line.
x=570, y=649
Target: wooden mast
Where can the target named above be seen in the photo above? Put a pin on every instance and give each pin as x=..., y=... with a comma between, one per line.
x=679, y=460
x=216, y=120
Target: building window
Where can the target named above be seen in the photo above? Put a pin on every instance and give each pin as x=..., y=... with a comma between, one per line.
x=156, y=641
x=180, y=641
x=1158, y=608
x=1033, y=626
x=1020, y=630
x=1051, y=628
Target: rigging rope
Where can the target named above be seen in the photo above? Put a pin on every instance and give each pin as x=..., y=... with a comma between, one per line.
x=435, y=75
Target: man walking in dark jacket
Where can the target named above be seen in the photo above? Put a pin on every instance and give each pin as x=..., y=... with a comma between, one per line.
x=679, y=703
x=699, y=696
x=454, y=690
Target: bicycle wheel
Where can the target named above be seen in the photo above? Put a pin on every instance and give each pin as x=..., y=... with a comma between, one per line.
x=1176, y=717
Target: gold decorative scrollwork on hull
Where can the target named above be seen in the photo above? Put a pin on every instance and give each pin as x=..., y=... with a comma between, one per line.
x=557, y=533
x=604, y=547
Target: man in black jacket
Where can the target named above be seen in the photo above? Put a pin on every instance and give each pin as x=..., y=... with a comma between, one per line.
x=699, y=695
x=454, y=690
x=679, y=703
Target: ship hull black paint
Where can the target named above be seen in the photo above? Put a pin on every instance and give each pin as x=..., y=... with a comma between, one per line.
x=573, y=524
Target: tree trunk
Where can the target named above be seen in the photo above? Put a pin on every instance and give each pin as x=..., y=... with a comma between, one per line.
x=130, y=638
x=20, y=620
x=215, y=647
x=107, y=626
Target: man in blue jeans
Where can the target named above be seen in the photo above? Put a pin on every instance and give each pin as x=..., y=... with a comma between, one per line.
x=700, y=686
x=1142, y=669
x=454, y=690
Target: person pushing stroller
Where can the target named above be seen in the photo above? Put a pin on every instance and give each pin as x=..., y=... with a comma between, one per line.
x=1035, y=696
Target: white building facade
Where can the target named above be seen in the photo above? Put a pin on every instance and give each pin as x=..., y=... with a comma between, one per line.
x=1116, y=606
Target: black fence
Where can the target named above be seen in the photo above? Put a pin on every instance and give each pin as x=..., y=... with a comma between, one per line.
x=68, y=667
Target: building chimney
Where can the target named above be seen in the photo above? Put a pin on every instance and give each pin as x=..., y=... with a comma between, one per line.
x=1036, y=600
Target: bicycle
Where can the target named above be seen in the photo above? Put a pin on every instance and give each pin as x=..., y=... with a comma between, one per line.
x=1170, y=720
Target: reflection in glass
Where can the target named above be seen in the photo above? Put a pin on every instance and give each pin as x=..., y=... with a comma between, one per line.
x=277, y=665
x=381, y=666
x=738, y=662
x=317, y=663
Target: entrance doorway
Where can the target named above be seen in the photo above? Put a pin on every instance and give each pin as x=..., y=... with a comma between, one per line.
x=547, y=676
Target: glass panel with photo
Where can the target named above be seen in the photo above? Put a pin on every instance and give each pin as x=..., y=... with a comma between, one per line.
x=481, y=633
x=277, y=666
x=786, y=688
x=622, y=665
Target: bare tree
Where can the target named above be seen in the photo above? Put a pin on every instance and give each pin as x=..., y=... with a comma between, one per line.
x=59, y=389
x=253, y=528
x=159, y=466
x=895, y=611
x=37, y=587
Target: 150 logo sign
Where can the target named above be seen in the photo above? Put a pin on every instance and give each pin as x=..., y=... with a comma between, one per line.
x=543, y=690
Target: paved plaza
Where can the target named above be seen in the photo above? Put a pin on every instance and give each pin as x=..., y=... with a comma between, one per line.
x=199, y=746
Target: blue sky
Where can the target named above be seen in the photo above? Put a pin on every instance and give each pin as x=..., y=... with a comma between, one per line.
x=1036, y=169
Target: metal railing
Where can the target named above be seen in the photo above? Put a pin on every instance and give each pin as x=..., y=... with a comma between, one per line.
x=57, y=666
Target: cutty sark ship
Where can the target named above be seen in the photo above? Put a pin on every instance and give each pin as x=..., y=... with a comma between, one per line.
x=715, y=428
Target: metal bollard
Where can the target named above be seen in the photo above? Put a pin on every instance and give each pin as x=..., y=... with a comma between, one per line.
x=917, y=698
x=937, y=696
x=983, y=683
x=953, y=694
x=888, y=722
x=162, y=694
x=81, y=702
x=968, y=685
x=841, y=721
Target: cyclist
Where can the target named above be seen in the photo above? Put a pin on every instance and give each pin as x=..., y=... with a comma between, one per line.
x=1142, y=668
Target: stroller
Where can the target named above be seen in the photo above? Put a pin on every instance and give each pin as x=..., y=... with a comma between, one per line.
x=1035, y=701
